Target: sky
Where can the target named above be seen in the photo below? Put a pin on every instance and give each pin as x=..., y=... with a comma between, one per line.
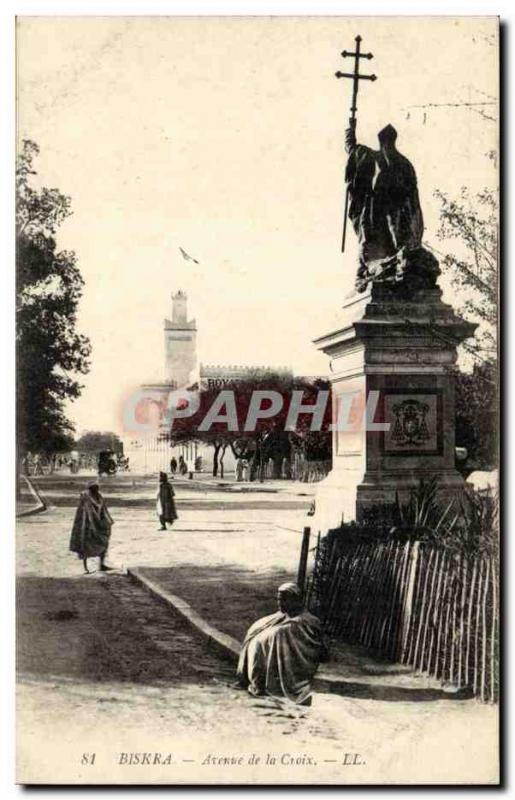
x=224, y=136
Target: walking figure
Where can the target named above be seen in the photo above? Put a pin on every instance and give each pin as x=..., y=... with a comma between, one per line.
x=91, y=529
x=166, y=510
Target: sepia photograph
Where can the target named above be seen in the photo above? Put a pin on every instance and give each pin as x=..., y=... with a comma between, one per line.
x=257, y=400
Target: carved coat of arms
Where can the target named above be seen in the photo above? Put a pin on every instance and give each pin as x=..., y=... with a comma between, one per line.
x=410, y=425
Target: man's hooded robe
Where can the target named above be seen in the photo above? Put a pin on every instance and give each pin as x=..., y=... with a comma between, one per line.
x=281, y=654
x=165, y=503
x=91, y=527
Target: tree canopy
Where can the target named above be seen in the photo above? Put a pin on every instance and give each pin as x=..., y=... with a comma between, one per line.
x=469, y=225
x=469, y=228
x=95, y=441
x=50, y=352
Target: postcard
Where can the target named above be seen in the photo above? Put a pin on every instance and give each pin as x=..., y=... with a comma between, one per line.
x=257, y=400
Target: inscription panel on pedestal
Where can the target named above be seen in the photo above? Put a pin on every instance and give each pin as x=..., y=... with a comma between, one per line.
x=416, y=422
x=348, y=411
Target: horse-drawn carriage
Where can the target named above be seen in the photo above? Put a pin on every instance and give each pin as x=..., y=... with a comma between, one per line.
x=107, y=464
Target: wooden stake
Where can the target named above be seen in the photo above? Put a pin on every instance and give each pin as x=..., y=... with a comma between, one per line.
x=447, y=626
x=431, y=600
x=484, y=637
x=453, y=635
x=469, y=621
x=493, y=665
x=415, y=606
x=375, y=568
x=396, y=602
x=434, y=616
x=476, y=632
x=462, y=625
x=441, y=617
x=422, y=607
x=409, y=599
x=303, y=561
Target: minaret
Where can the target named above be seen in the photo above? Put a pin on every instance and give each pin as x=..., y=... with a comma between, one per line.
x=180, y=343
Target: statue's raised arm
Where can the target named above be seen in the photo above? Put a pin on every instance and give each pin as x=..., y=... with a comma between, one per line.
x=350, y=137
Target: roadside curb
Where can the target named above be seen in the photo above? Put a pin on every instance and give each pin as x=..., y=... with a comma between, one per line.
x=226, y=646
x=41, y=505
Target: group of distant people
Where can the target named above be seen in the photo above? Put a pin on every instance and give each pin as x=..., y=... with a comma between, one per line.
x=106, y=462
x=42, y=464
x=249, y=469
x=186, y=466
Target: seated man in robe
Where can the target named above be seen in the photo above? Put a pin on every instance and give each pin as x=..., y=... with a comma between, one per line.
x=281, y=652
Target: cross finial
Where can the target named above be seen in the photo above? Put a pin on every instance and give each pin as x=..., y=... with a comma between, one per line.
x=356, y=77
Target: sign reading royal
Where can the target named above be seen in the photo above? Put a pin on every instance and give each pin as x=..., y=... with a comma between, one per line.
x=219, y=376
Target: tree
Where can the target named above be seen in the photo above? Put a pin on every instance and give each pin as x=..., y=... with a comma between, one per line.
x=185, y=430
x=477, y=416
x=49, y=350
x=470, y=224
x=95, y=441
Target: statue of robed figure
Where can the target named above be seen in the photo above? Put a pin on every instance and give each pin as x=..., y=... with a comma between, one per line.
x=384, y=209
x=382, y=203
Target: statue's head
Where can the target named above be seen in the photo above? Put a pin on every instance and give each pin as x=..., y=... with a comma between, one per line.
x=387, y=137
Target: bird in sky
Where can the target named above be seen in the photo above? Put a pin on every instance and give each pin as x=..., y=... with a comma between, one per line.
x=187, y=257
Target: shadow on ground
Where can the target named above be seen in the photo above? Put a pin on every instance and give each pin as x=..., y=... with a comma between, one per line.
x=228, y=597
x=102, y=628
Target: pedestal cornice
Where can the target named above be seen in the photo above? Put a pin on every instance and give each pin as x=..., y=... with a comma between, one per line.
x=379, y=317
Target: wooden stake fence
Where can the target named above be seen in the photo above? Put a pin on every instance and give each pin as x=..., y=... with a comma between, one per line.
x=431, y=608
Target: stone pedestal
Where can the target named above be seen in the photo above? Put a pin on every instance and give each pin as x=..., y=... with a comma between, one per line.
x=401, y=355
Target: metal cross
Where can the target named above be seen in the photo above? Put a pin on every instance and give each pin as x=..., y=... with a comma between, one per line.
x=356, y=77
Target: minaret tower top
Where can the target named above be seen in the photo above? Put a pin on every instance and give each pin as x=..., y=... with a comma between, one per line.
x=180, y=307
x=180, y=335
